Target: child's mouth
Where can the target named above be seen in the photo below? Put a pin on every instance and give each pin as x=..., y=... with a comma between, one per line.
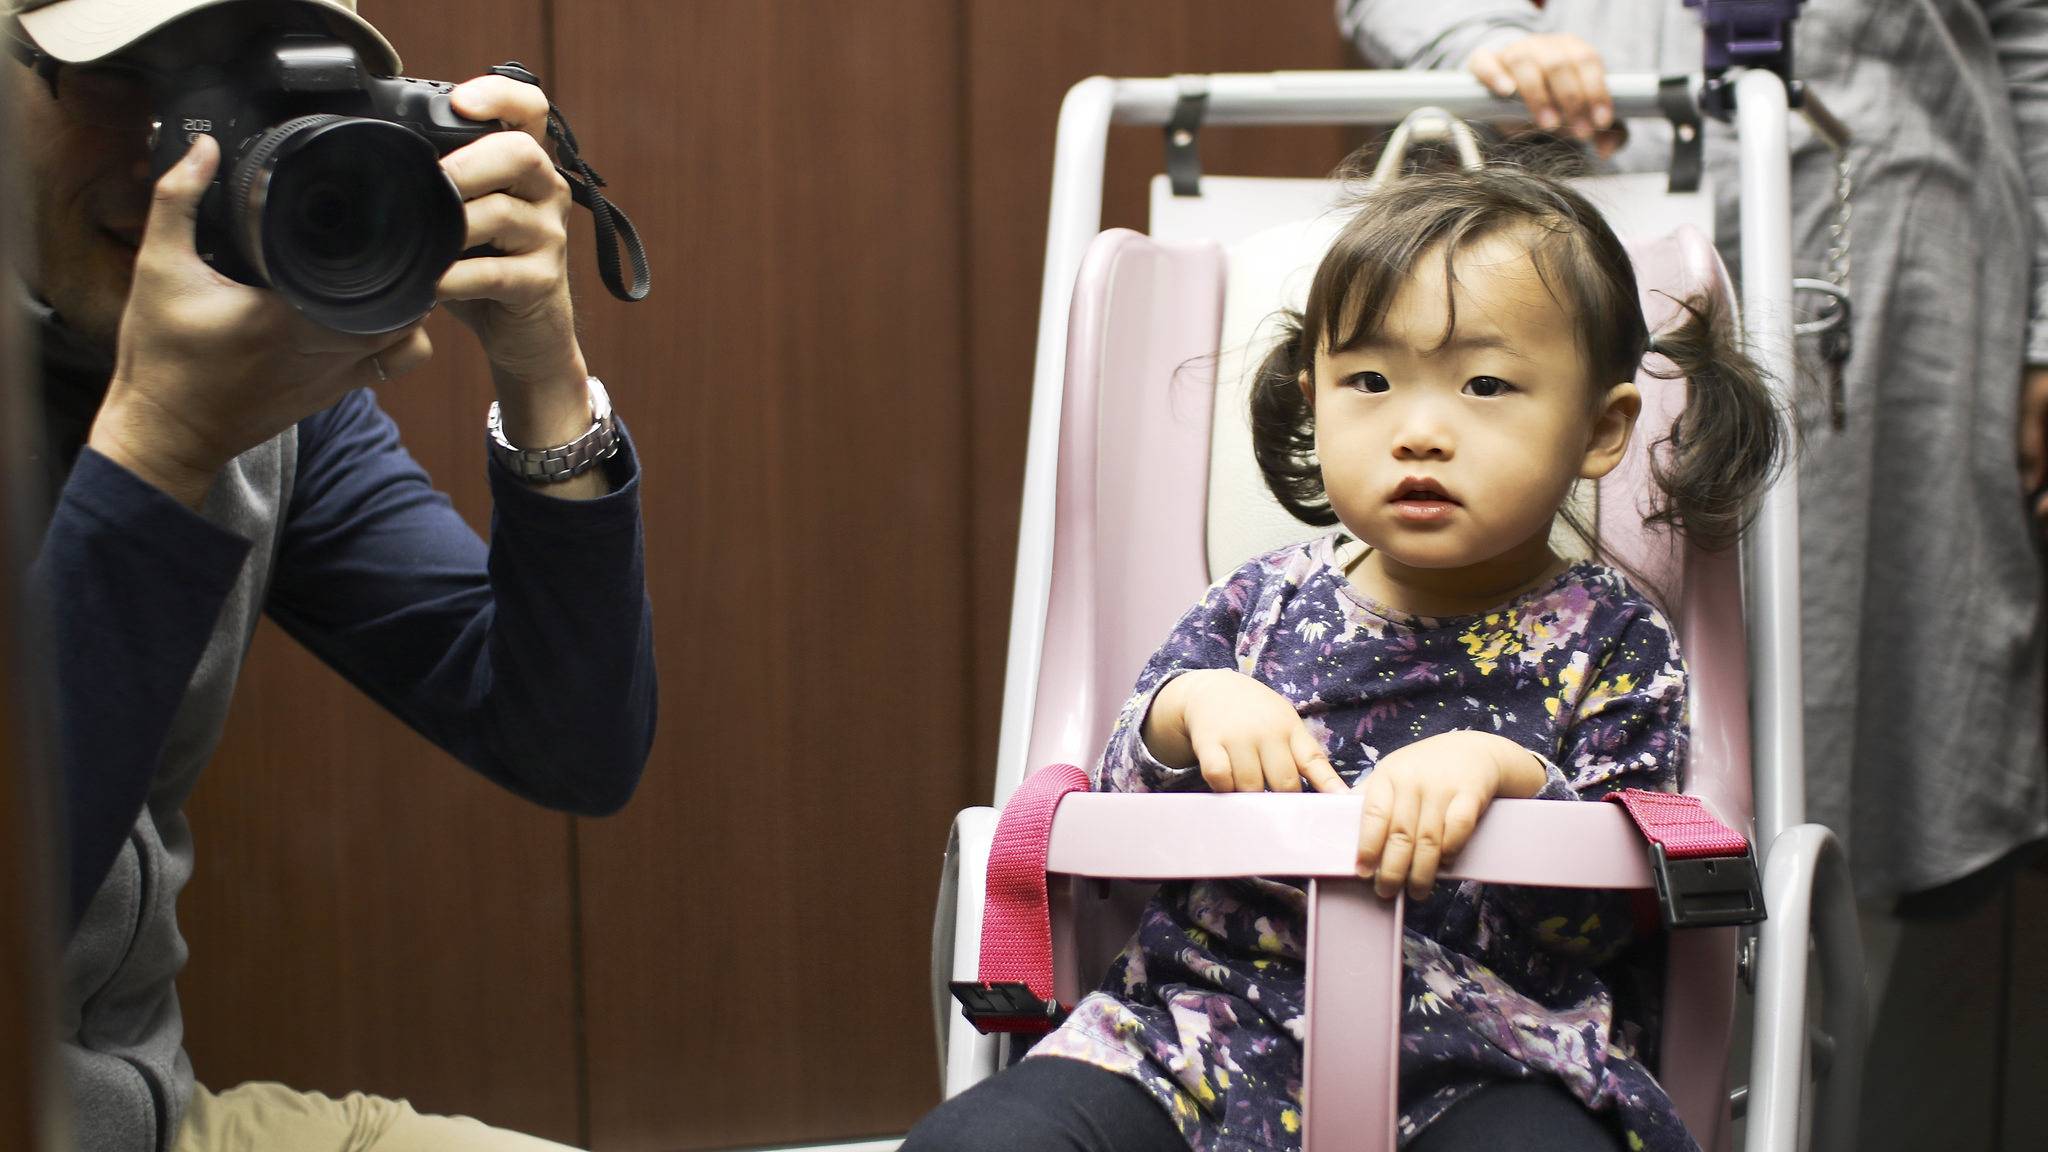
x=1420, y=500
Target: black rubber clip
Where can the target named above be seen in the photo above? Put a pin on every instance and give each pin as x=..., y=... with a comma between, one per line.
x=1006, y=1006
x=1183, y=142
x=1674, y=96
x=1707, y=891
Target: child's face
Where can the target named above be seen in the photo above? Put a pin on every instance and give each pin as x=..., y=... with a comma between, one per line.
x=1452, y=457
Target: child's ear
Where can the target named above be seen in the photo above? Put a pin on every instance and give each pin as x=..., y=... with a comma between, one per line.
x=1612, y=424
x=1308, y=386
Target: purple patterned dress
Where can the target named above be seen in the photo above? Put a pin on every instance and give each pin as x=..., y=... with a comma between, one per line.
x=1204, y=1007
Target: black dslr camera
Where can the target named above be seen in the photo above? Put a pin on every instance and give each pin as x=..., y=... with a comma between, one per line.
x=330, y=190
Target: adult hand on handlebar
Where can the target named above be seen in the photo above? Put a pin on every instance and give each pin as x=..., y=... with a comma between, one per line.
x=206, y=368
x=1563, y=83
x=2034, y=443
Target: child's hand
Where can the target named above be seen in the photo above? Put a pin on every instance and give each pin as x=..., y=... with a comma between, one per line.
x=1423, y=801
x=1246, y=737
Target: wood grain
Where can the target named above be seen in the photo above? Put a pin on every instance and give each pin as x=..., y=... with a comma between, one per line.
x=756, y=919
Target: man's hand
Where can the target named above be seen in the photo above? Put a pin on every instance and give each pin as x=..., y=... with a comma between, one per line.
x=2034, y=442
x=1561, y=80
x=1423, y=801
x=518, y=302
x=206, y=368
x=1245, y=736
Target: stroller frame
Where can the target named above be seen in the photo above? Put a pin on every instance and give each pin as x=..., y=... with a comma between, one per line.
x=1806, y=881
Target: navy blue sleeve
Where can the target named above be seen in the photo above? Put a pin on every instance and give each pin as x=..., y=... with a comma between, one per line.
x=531, y=661
x=133, y=583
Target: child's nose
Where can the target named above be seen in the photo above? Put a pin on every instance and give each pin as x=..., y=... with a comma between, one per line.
x=1421, y=437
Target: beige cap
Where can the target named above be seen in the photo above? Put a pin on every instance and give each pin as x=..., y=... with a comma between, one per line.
x=76, y=31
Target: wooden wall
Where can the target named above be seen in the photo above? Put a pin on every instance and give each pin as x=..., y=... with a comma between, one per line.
x=846, y=207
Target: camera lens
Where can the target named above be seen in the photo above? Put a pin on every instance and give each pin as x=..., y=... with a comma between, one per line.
x=351, y=220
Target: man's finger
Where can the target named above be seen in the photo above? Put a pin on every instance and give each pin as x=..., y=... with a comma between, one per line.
x=521, y=106
x=504, y=162
x=2034, y=428
x=1534, y=91
x=1572, y=107
x=174, y=206
x=1491, y=72
x=1599, y=101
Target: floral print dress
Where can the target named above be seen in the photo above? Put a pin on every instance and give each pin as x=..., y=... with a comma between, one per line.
x=1204, y=1007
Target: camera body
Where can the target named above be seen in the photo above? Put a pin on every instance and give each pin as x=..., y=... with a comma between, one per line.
x=330, y=189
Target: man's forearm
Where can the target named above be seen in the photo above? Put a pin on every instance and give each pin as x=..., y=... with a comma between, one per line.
x=133, y=585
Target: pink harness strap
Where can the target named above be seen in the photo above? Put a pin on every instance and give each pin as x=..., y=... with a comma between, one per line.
x=1680, y=823
x=1015, y=992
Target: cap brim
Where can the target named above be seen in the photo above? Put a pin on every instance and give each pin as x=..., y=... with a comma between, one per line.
x=77, y=31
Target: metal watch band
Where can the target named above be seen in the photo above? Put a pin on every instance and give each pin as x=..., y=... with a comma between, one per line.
x=564, y=461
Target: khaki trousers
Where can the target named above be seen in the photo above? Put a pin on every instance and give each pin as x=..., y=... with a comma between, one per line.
x=260, y=1117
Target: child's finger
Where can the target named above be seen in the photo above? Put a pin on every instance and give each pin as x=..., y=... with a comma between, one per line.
x=1429, y=842
x=1215, y=765
x=1314, y=763
x=1399, y=854
x=1245, y=774
x=1276, y=759
x=1461, y=818
x=1376, y=815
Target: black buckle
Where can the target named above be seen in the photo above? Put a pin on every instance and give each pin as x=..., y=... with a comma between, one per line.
x=1707, y=891
x=1006, y=1006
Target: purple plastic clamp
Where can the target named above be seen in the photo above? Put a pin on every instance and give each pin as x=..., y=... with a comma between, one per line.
x=1744, y=34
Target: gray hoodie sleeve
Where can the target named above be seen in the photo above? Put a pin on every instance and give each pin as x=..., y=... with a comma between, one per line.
x=1436, y=33
x=2019, y=31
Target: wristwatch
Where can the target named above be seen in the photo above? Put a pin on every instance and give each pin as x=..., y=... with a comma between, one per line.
x=552, y=465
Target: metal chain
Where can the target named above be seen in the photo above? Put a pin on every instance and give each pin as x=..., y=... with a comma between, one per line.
x=1838, y=232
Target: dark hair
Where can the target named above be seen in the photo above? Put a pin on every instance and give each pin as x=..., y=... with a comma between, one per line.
x=1722, y=450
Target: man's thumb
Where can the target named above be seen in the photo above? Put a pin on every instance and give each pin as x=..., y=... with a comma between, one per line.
x=174, y=207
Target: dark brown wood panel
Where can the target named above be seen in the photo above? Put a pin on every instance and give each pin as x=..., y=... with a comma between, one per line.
x=1021, y=59
x=368, y=915
x=757, y=918
x=28, y=870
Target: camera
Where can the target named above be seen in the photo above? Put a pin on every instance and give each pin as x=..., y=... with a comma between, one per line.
x=330, y=190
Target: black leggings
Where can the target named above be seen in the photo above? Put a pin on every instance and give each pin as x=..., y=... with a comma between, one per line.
x=1057, y=1105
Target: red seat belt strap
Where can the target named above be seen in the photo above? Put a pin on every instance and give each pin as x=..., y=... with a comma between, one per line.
x=1015, y=992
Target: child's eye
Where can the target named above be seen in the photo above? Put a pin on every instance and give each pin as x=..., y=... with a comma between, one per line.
x=1487, y=386
x=1371, y=382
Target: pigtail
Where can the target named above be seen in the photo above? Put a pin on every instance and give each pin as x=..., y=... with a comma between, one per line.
x=1729, y=442
x=1284, y=429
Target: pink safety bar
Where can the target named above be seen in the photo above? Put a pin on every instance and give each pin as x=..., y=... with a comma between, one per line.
x=1129, y=556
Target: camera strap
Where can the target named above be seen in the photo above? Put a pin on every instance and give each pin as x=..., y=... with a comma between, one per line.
x=614, y=230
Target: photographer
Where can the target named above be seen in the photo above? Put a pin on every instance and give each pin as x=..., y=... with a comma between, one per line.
x=215, y=453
